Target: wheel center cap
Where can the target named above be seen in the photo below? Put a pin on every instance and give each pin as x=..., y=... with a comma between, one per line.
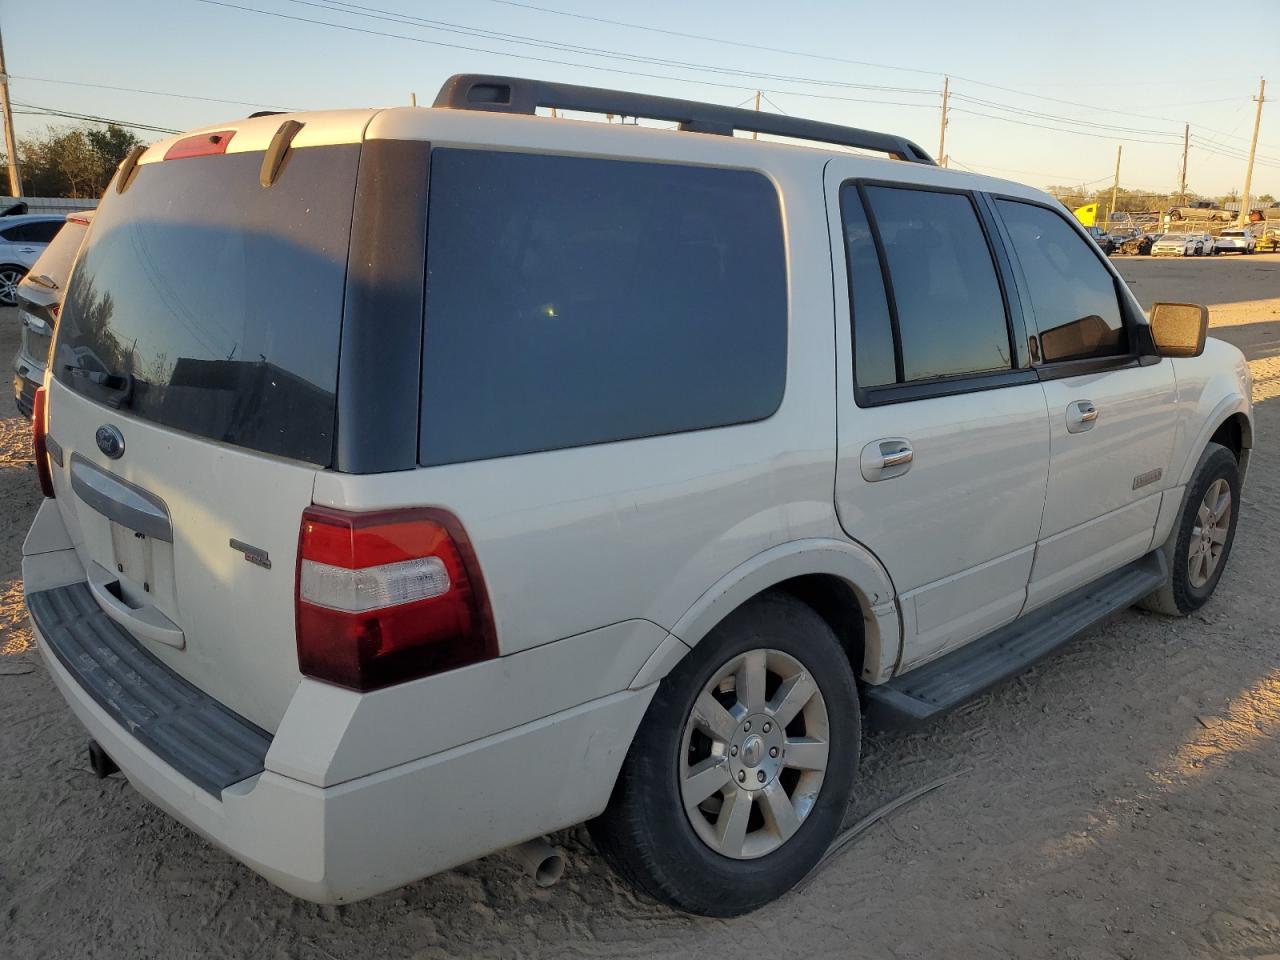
x=752, y=751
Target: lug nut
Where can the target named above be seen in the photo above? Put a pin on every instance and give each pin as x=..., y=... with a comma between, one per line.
x=760, y=775
x=746, y=727
x=767, y=726
x=733, y=751
x=773, y=751
x=742, y=776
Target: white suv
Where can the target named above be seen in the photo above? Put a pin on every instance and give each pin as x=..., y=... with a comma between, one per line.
x=425, y=480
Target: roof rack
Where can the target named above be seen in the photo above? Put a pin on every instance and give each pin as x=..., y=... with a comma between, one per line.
x=473, y=91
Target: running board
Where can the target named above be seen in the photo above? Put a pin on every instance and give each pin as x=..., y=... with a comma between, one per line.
x=949, y=681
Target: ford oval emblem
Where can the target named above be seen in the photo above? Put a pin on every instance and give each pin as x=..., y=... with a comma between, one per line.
x=110, y=441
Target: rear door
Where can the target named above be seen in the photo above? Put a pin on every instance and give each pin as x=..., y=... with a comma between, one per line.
x=943, y=433
x=193, y=400
x=1111, y=414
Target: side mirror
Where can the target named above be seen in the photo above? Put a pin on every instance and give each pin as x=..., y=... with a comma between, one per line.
x=1179, y=329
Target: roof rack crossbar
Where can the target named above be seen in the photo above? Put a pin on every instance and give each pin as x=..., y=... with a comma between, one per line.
x=497, y=94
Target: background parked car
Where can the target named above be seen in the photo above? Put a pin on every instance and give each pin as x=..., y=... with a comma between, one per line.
x=1102, y=239
x=1132, y=241
x=1176, y=245
x=22, y=239
x=1236, y=240
x=39, y=298
x=1207, y=241
x=1200, y=210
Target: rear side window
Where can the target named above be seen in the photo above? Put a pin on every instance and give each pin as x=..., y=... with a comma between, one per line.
x=572, y=301
x=213, y=304
x=873, y=349
x=1074, y=296
x=947, y=301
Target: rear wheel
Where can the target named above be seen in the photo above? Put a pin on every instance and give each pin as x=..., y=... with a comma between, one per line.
x=1200, y=542
x=742, y=770
x=10, y=277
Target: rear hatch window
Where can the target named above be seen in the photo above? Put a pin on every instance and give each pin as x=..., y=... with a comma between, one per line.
x=207, y=303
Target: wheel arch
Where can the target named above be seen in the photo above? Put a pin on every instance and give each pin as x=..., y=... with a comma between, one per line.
x=842, y=581
x=1230, y=424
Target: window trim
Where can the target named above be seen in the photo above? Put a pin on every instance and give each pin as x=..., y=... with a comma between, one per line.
x=1078, y=366
x=1020, y=371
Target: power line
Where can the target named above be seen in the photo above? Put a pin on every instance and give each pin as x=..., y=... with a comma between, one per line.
x=1042, y=126
x=817, y=56
x=536, y=59
x=444, y=26
x=154, y=93
x=994, y=104
x=720, y=40
x=67, y=114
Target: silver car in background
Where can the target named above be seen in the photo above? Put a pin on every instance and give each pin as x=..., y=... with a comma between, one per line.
x=39, y=299
x=23, y=238
x=1177, y=245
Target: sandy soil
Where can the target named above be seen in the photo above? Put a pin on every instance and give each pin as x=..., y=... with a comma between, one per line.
x=1120, y=800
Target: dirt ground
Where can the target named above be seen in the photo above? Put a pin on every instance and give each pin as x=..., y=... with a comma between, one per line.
x=1122, y=799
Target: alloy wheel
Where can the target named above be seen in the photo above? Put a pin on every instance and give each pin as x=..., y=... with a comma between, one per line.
x=9, y=280
x=754, y=754
x=1209, y=533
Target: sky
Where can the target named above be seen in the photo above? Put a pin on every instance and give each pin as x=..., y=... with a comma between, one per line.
x=1041, y=92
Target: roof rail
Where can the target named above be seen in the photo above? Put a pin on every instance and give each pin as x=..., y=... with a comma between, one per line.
x=473, y=91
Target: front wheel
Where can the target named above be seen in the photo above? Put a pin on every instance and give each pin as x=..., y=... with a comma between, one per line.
x=1200, y=542
x=743, y=767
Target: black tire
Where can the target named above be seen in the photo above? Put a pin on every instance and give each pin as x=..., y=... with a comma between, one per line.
x=1179, y=596
x=645, y=833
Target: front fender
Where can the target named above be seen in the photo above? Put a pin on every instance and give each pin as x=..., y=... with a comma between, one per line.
x=845, y=560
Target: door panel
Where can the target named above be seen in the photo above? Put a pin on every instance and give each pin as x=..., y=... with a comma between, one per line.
x=955, y=531
x=1111, y=429
x=1108, y=471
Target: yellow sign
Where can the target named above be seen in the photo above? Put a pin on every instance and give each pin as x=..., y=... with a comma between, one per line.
x=1087, y=215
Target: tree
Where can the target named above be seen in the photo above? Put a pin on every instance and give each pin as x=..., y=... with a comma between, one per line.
x=73, y=161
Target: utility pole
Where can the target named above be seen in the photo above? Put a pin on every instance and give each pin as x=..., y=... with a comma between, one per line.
x=1253, y=148
x=1115, y=186
x=10, y=141
x=1182, y=178
x=755, y=135
x=942, y=135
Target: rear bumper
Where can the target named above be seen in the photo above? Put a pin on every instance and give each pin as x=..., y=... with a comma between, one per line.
x=376, y=833
x=351, y=839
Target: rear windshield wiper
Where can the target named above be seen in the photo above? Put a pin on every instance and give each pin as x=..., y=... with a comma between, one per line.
x=113, y=389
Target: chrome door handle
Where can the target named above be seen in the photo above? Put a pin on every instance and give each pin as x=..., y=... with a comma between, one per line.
x=1081, y=415
x=885, y=459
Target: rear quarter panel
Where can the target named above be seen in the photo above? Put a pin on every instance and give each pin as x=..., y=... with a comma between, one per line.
x=576, y=539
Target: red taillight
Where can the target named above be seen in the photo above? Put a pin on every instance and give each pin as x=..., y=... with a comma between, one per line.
x=201, y=145
x=388, y=596
x=39, y=426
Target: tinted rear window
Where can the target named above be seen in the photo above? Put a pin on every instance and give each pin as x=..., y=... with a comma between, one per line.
x=573, y=301
x=222, y=299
